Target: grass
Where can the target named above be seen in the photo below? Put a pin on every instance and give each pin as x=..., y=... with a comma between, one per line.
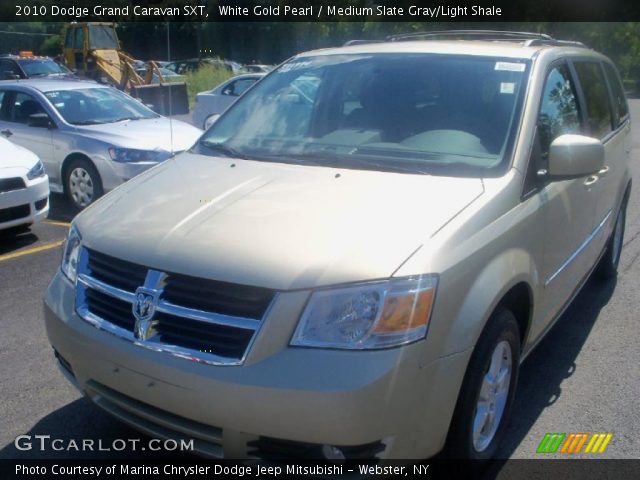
x=204, y=78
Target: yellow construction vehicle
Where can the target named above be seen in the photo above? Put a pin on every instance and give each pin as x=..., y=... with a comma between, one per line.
x=92, y=50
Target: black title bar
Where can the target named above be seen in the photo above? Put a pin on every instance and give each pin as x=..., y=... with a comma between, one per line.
x=197, y=468
x=321, y=10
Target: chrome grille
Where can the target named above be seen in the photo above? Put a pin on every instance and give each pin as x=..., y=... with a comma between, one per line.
x=116, y=272
x=221, y=297
x=226, y=341
x=110, y=308
x=198, y=319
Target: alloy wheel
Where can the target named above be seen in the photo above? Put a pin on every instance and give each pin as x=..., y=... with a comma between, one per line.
x=493, y=396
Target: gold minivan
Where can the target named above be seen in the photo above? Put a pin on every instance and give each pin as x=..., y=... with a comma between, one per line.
x=353, y=261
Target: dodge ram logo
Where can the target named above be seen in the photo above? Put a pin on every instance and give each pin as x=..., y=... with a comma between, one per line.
x=144, y=307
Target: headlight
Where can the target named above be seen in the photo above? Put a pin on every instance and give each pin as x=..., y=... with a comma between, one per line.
x=368, y=316
x=133, y=155
x=36, y=171
x=71, y=254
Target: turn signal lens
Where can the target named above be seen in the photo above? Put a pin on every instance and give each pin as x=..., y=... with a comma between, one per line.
x=405, y=312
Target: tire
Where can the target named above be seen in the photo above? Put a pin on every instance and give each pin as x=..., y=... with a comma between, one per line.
x=607, y=268
x=474, y=435
x=82, y=183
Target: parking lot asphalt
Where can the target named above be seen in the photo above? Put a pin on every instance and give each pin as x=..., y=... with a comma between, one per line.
x=583, y=377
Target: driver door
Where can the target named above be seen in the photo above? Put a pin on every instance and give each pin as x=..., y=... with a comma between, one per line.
x=567, y=205
x=14, y=116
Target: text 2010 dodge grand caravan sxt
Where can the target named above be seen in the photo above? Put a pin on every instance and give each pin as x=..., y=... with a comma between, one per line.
x=356, y=257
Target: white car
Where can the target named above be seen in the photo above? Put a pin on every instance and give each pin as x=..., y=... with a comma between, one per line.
x=90, y=137
x=209, y=105
x=24, y=187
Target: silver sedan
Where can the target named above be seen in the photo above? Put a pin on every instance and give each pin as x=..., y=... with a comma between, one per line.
x=209, y=105
x=90, y=137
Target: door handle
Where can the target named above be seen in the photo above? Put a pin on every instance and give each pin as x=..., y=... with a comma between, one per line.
x=7, y=133
x=603, y=171
x=591, y=179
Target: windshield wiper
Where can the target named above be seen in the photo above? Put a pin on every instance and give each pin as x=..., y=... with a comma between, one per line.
x=226, y=150
x=122, y=119
x=293, y=158
x=87, y=122
x=388, y=166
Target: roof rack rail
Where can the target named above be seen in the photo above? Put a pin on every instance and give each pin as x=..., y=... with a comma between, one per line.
x=529, y=39
x=360, y=42
x=475, y=34
x=553, y=42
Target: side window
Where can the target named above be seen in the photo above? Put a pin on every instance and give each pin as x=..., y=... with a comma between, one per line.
x=241, y=85
x=596, y=97
x=620, y=108
x=559, y=109
x=5, y=106
x=68, y=41
x=230, y=89
x=8, y=68
x=5, y=70
x=78, y=38
x=23, y=106
x=238, y=87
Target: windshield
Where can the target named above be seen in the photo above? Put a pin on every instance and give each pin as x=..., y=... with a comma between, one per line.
x=420, y=113
x=42, y=67
x=90, y=106
x=102, y=36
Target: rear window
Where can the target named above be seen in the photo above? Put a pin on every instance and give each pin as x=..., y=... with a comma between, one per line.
x=42, y=67
x=596, y=97
x=102, y=36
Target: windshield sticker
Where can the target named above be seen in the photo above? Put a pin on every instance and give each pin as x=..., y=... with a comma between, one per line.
x=510, y=66
x=290, y=67
x=507, y=87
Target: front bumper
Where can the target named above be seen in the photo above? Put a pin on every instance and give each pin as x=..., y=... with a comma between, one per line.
x=303, y=395
x=113, y=174
x=25, y=206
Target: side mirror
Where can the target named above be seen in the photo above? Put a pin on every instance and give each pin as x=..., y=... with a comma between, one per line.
x=210, y=121
x=575, y=156
x=40, y=120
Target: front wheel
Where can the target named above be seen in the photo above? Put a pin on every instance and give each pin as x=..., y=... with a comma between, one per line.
x=487, y=393
x=82, y=183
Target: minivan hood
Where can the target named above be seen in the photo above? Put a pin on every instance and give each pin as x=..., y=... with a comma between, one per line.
x=273, y=225
x=147, y=134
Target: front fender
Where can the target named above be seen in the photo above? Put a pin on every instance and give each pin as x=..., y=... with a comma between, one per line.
x=485, y=292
